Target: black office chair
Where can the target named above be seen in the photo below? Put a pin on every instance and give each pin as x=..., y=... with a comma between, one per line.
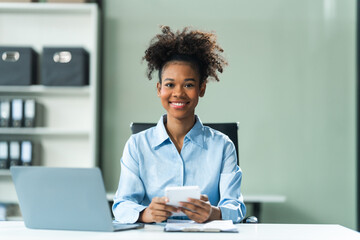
x=229, y=129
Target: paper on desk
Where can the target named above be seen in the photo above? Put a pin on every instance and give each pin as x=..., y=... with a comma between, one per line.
x=191, y=226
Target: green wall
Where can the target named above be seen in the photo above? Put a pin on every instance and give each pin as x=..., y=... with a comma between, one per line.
x=290, y=84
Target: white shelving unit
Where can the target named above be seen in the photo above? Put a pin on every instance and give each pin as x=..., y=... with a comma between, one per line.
x=42, y=131
x=43, y=90
x=68, y=136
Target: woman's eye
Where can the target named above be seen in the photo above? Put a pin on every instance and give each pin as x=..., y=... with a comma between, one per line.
x=169, y=85
x=189, y=85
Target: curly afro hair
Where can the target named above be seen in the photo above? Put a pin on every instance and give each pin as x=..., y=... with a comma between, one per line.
x=194, y=46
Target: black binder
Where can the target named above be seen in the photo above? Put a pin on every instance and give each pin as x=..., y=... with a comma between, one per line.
x=14, y=156
x=17, y=112
x=4, y=155
x=5, y=113
x=26, y=153
x=29, y=113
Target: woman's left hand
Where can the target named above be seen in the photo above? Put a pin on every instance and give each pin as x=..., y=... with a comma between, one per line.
x=200, y=210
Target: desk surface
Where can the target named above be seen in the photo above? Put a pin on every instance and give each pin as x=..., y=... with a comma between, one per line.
x=16, y=230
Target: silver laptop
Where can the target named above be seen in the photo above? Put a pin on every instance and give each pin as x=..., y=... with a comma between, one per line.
x=64, y=199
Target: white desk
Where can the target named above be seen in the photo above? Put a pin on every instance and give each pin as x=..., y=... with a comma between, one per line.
x=16, y=230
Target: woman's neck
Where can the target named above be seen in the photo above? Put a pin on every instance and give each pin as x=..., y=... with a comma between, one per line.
x=178, y=128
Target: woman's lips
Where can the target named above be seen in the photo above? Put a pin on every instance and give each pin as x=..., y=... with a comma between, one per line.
x=178, y=105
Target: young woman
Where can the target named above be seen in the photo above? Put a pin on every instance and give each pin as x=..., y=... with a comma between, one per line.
x=179, y=150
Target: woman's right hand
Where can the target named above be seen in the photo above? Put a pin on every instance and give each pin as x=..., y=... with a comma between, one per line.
x=157, y=211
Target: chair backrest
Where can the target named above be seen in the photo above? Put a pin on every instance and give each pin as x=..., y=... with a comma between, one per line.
x=229, y=129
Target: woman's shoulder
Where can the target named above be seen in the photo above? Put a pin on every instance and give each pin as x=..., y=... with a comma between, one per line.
x=215, y=135
x=143, y=135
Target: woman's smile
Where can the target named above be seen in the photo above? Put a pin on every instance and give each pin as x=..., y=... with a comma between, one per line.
x=178, y=105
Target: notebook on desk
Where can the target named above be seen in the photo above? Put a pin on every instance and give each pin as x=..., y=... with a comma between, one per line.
x=173, y=225
x=64, y=199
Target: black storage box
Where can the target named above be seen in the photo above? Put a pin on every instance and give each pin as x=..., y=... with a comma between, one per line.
x=17, y=66
x=65, y=67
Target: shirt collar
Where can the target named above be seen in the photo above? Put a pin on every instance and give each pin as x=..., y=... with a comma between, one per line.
x=160, y=132
x=195, y=134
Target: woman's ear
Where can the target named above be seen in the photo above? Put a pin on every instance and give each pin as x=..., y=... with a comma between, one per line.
x=158, y=86
x=202, y=89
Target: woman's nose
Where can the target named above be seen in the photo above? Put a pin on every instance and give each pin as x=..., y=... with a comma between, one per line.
x=178, y=91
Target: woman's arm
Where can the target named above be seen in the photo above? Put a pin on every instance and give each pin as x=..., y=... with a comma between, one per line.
x=231, y=201
x=127, y=201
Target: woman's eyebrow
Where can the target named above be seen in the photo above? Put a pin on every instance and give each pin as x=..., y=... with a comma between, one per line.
x=168, y=79
x=186, y=79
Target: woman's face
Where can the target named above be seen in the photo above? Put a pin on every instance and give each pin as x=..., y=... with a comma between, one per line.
x=180, y=89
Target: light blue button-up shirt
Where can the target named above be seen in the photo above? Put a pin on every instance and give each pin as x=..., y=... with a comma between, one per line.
x=151, y=162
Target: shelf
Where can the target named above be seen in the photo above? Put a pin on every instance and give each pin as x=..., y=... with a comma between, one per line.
x=45, y=90
x=77, y=8
x=44, y=131
x=68, y=117
x=5, y=172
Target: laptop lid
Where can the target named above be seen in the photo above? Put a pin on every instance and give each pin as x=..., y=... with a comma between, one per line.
x=62, y=198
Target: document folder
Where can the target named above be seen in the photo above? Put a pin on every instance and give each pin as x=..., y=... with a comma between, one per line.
x=191, y=226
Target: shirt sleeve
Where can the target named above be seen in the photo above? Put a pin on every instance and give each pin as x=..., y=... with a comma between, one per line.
x=231, y=201
x=131, y=191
